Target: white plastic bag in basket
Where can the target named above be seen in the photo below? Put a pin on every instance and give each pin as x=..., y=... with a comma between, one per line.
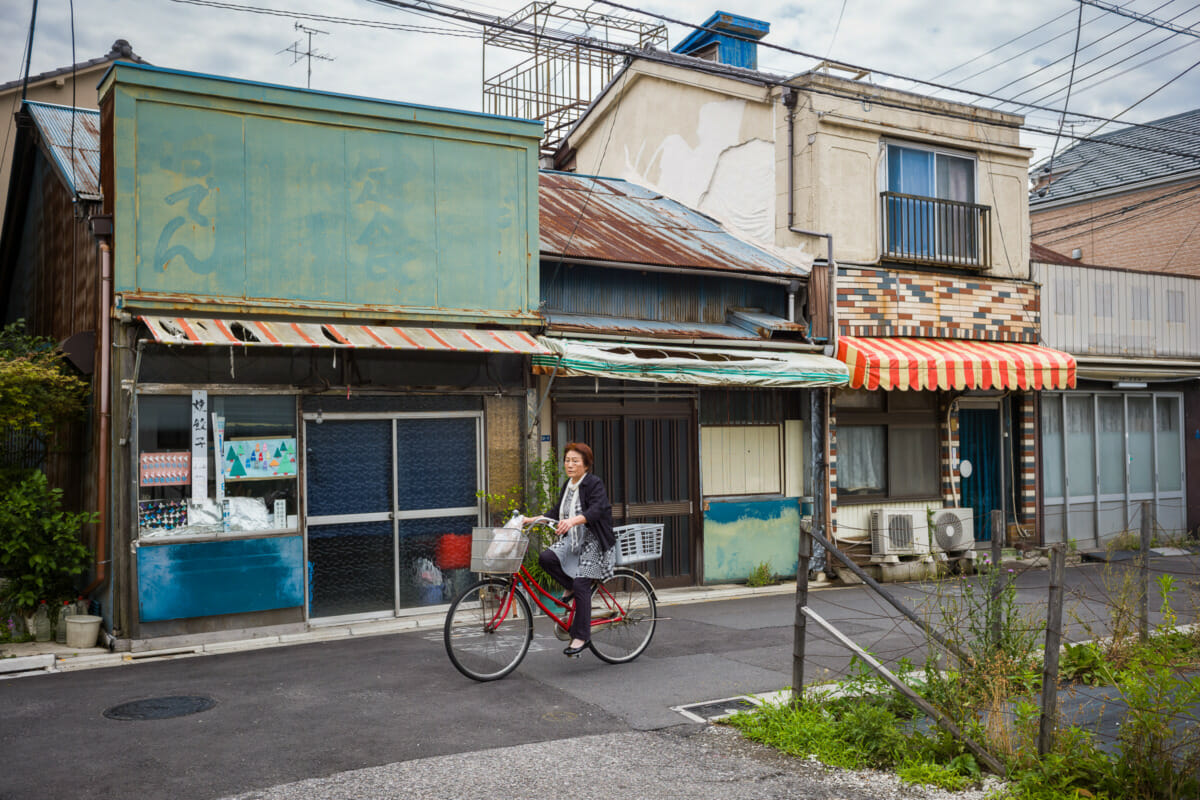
x=506, y=541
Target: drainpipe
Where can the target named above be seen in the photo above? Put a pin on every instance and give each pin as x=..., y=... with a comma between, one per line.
x=103, y=228
x=822, y=492
x=790, y=98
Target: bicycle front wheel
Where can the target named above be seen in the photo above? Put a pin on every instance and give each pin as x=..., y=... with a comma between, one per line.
x=487, y=633
x=623, y=616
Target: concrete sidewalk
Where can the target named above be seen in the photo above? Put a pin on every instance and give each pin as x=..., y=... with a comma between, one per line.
x=32, y=658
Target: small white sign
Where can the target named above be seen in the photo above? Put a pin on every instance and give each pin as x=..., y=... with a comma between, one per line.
x=199, y=445
x=281, y=513
x=218, y=448
x=965, y=469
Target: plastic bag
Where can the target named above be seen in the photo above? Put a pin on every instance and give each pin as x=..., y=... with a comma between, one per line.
x=506, y=541
x=427, y=573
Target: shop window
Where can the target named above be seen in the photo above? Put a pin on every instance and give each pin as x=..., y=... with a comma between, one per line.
x=1111, y=425
x=256, y=465
x=887, y=446
x=1141, y=445
x=1081, y=445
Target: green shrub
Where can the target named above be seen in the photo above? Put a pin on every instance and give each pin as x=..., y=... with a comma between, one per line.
x=762, y=575
x=40, y=552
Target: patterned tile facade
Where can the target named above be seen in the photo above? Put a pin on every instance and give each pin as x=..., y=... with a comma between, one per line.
x=880, y=302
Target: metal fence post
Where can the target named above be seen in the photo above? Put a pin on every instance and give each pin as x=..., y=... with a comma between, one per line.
x=1058, y=568
x=1144, y=571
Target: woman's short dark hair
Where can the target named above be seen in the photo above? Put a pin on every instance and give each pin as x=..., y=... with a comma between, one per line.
x=583, y=450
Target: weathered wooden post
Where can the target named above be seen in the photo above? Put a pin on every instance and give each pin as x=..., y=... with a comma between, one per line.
x=816, y=437
x=997, y=577
x=1144, y=571
x=1058, y=568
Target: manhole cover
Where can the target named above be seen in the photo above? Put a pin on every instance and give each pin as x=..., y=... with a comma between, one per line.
x=161, y=707
x=716, y=709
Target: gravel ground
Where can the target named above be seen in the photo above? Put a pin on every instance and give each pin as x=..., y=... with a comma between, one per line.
x=684, y=763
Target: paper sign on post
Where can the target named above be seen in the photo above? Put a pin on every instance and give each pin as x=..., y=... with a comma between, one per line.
x=199, y=445
x=218, y=442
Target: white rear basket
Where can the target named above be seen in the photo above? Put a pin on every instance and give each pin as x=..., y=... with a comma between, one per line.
x=635, y=543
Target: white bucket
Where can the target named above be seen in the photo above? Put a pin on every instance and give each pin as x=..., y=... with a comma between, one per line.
x=82, y=630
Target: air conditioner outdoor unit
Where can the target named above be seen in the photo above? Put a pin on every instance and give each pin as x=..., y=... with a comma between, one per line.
x=953, y=529
x=898, y=532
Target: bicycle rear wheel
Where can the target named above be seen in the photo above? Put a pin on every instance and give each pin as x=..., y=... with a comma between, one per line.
x=626, y=598
x=481, y=644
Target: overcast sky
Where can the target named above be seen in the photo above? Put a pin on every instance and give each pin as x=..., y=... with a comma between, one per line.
x=1119, y=61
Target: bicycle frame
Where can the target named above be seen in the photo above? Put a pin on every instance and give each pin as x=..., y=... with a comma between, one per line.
x=613, y=612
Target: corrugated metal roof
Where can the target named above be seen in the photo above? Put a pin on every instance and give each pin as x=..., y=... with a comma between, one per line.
x=77, y=157
x=606, y=219
x=590, y=323
x=1127, y=156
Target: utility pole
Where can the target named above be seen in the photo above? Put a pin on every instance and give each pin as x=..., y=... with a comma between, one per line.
x=310, y=54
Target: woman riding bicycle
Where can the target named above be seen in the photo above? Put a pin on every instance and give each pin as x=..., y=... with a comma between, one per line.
x=584, y=552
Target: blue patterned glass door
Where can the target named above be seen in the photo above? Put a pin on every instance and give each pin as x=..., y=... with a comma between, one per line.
x=351, y=542
x=979, y=439
x=437, y=475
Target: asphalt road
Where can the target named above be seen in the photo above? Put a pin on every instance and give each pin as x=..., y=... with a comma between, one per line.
x=309, y=711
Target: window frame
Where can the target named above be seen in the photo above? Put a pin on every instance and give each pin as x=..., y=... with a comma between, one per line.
x=934, y=151
x=894, y=419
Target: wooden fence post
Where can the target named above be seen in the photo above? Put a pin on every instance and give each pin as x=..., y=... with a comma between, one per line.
x=1058, y=568
x=1144, y=571
x=996, y=576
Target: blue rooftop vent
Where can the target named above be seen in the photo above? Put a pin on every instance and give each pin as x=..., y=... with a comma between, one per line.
x=727, y=39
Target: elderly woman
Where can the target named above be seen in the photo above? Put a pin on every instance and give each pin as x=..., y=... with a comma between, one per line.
x=584, y=553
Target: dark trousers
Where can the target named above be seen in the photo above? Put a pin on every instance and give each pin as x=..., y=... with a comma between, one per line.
x=581, y=624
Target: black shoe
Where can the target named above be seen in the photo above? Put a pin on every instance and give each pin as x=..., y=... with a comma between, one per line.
x=573, y=652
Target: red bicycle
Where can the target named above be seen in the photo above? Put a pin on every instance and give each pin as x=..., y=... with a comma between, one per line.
x=489, y=626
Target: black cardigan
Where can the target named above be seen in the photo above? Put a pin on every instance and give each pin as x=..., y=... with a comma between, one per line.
x=595, y=507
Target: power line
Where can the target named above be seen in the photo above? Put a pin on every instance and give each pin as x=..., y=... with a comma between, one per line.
x=1147, y=97
x=793, y=51
x=946, y=72
x=460, y=14
x=1045, y=67
x=1112, y=9
x=1117, y=212
x=1063, y=119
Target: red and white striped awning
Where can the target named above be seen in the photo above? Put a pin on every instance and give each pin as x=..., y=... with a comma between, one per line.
x=897, y=363
x=248, y=332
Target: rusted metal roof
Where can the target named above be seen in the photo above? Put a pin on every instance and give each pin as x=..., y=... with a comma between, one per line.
x=77, y=155
x=606, y=219
x=592, y=324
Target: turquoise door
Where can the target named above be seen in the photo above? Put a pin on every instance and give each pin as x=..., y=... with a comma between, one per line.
x=979, y=443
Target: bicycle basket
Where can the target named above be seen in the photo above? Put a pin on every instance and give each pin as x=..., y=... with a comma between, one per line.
x=498, y=550
x=636, y=543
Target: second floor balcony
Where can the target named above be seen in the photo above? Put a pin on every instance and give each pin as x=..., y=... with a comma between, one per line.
x=929, y=230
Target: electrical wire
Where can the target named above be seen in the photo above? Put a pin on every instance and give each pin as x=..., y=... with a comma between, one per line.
x=1078, y=31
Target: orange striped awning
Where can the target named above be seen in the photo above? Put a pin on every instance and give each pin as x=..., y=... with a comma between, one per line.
x=274, y=333
x=897, y=363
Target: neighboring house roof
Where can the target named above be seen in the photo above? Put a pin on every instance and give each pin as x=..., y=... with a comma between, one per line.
x=1045, y=255
x=72, y=135
x=120, y=50
x=1124, y=157
x=607, y=219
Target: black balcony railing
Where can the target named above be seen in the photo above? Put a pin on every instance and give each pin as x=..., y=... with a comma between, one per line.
x=932, y=231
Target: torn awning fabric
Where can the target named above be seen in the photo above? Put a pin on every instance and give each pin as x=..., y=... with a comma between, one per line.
x=275, y=333
x=705, y=366
x=928, y=364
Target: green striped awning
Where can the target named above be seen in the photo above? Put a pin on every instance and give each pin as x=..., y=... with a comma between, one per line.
x=674, y=363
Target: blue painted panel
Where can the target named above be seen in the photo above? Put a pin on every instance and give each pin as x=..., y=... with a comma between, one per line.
x=740, y=534
x=190, y=211
x=295, y=184
x=391, y=256
x=203, y=579
x=480, y=226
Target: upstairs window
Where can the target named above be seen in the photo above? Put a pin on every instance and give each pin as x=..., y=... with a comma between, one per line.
x=929, y=207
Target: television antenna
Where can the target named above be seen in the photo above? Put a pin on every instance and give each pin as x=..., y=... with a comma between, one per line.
x=310, y=54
